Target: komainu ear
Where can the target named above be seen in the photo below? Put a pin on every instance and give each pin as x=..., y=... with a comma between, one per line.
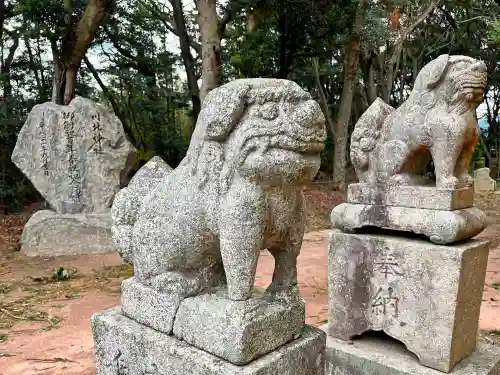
x=432, y=73
x=222, y=109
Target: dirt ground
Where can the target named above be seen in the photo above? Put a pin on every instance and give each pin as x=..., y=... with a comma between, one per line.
x=45, y=318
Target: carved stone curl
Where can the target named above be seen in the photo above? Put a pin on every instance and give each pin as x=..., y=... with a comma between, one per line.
x=237, y=191
x=438, y=121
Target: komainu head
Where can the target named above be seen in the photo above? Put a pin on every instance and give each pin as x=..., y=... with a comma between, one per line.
x=266, y=130
x=459, y=81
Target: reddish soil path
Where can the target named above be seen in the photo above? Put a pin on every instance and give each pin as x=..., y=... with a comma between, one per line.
x=68, y=350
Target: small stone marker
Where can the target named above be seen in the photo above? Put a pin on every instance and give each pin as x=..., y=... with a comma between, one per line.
x=483, y=181
x=421, y=292
x=194, y=235
x=76, y=156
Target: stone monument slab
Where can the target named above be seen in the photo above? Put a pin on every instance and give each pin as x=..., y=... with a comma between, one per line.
x=483, y=180
x=50, y=234
x=427, y=296
x=441, y=227
x=240, y=331
x=77, y=156
x=424, y=197
x=123, y=346
x=383, y=356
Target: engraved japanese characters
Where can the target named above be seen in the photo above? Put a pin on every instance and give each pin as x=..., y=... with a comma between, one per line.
x=437, y=121
x=75, y=155
x=237, y=191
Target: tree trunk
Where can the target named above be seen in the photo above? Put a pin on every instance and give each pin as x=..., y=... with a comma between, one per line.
x=211, y=48
x=187, y=58
x=68, y=59
x=351, y=61
x=33, y=64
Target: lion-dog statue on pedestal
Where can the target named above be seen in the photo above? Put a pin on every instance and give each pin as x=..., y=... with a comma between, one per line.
x=438, y=120
x=239, y=189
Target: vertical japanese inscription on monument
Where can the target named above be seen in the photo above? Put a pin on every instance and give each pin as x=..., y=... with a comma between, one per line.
x=386, y=301
x=97, y=136
x=74, y=173
x=44, y=155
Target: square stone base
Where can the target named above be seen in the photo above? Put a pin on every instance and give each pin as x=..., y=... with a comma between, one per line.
x=424, y=197
x=237, y=331
x=384, y=356
x=427, y=296
x=124, y=346
x=50, y=234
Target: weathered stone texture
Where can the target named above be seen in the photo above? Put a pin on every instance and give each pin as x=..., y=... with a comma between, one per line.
x=425, y=295
x=441, y=227
x=128, y=202
x=483, y=180
x=76, y=156
x=437, y=121
x=383, y=356
x=124, y=346
x=240, y=331
x=239, y=189
x=423, y=197
x=50, y=234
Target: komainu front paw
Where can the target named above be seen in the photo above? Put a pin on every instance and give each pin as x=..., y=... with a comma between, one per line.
x=447, y=183
x=466, y=180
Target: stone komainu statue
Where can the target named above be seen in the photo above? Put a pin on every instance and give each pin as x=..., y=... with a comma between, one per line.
x=237, y=191
x=437, y=121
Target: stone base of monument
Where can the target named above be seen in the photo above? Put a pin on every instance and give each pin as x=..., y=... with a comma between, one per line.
x=440, y=226
x=50, y=234
x=374, y=355
x=123, y=346
x=427, y=296
x=237, y=331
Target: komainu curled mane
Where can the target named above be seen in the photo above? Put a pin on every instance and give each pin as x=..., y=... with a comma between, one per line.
x=237, y=191
x=437, y=121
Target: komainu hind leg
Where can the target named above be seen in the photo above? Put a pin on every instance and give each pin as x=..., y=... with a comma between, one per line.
x=392, y=156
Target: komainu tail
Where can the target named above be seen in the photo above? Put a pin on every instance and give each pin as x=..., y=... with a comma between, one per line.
x=128, y=201
x=366, y=135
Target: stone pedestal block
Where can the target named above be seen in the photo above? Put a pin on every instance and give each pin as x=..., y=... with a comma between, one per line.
x=424, y=197
x=483, y=180
x=425, y=295
x=442, y=227
x=124, y=346
x=150, y=307
x=50, y=234
x=384, y=356
x=240, y=331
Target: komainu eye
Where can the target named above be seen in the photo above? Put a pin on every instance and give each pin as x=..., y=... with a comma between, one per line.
x=269, y=111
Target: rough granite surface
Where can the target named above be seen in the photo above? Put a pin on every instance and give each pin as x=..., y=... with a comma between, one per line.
x=77, y=156
x=427, y=296
x=383, y=356
x=149, y=306
x=437, y=122
x=50, y=234
x=125, y=347
x=240, y=331
x=239, y=189
x=483, y=180
x=424, y=197
x=441, y=227
x=124, y=211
